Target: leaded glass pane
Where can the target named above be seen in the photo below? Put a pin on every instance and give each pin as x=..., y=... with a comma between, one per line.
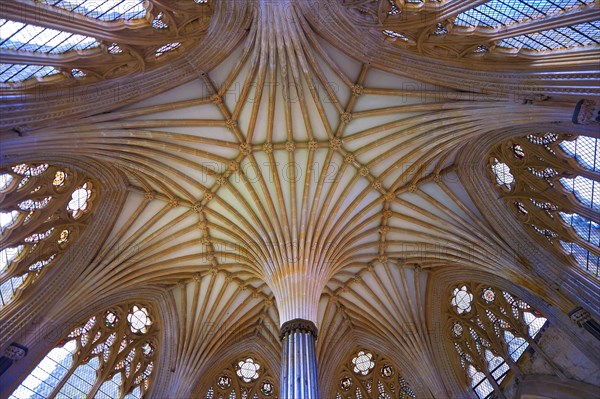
x=585, y=228
x=584, y=258
x=496, y=13
x=108, y=10
x=24, y=37
x=9, y=287
x=110, y=389
x=19, y=72
x=48, y=374
x=569, y=36
x=81, y=381
x=585, y=149
x=587, y=191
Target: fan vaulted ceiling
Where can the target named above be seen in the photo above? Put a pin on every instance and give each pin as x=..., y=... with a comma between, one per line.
x=293, y=163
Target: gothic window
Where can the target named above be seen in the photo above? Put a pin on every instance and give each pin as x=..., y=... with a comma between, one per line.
x=496, y=13
x=552, y=182
x=111, y=355
x=246, y=378
x=84, y=55
x=44, y=210
x=490, y=330
x=485, y=30
x=103, y=10
x=564, y=37
x=26, y=37
x=366, y=374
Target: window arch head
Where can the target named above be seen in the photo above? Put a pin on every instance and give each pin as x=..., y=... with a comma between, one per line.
x=366, y=374
x=45, y=208
x=107, y=356
x=552, y=183
x=246, y=377
x=490, y=330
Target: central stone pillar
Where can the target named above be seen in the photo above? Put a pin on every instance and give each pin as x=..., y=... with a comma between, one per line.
x=299, y=377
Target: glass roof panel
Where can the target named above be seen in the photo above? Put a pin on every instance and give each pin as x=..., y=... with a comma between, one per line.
x=585, y=228
x=586, y=150
x=583, y=257
x=18, y=72
x=569, y=36
x=107, y=10
x=25, y=37
x=496, y=13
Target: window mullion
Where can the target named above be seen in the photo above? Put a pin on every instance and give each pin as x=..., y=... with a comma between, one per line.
x=532, y=342
x=76, y=357
x=109, y=365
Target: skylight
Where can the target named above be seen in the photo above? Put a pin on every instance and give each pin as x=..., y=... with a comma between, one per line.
x=108, y=10
x=497, y=13
x=19, y=72
x=25, y=37
x=568, y=36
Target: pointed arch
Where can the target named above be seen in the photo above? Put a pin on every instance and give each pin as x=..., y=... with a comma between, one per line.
x=247, y=374
x=88, y=227
x=515, y=301
x=364, y=373
x=111, y=354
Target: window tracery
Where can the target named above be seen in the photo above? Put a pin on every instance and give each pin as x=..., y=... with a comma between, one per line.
x=365, y=374
x=141, y=31
x=554, y=191
x=485, y=31
x=496, y=13
x=491, y=336
x=44, y=210
x=246, y=378
x=105, y=357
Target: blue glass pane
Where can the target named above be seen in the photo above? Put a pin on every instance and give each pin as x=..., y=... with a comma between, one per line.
x=585, y=149
x=23, y=37
x=516, y=345
x=569, y=36
x=48, y=374
x=108, y=10
x=583, y=257
x=18, y=72
x=8, y=289
x=496, y=13
x=585, y=228
x=110, y=389
x=484, y=390
x=81, y=381
x=587, y=191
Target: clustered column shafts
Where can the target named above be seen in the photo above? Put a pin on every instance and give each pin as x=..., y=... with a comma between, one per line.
x=299, y=360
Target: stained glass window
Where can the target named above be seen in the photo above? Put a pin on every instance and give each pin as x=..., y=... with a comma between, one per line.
x=50, y=204
x=166, y=48
x=245, y=378
x=495, y=331
x=366, y=374
x=553, y=178
x=100, y=358
x=502, y=172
